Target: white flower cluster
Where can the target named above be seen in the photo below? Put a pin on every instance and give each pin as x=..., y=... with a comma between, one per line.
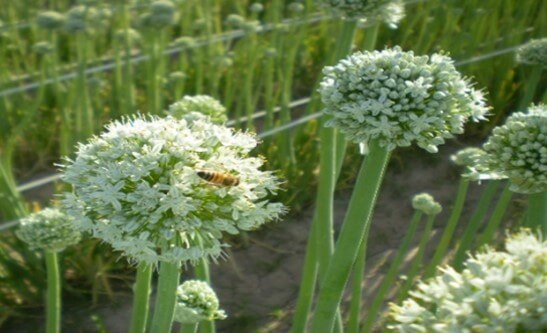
x=196, y=301
x=496, y=292
x=426, y=203
x=396, y=98
x=48, y=229
x=389, y=11
x=533, y=53
x=518, y=150
x=193, y=107
x=136, y=186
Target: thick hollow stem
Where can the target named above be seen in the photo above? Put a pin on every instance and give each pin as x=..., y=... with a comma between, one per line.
x=141, y=298
x=354, y=231
x=321, y=234
x=165, y=298
x=53, y=307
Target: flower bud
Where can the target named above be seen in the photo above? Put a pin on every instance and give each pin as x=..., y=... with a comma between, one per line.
x=185, y=42
x=533, y=53
x=235, y=21
x=190, y=107
x=49, y=229
x=256, y=8
x=196, y=301
x=129, y=36
x=43, y=47
x=81, y=19
x=50, y=20
x=425, y=203
x=296, y=7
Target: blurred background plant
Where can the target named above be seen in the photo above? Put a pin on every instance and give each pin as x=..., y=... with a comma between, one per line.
x=66, y=69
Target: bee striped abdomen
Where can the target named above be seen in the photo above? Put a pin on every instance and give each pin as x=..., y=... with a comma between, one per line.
x=219, y=178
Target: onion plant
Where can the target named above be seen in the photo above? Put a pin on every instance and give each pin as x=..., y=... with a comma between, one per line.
x=423, y=204
x=321, y=239
x=386, y=99
x=148, y=201
x=52, y=231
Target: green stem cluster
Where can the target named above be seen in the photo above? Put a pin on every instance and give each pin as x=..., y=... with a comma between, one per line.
x=449, y=229
x=354, y=231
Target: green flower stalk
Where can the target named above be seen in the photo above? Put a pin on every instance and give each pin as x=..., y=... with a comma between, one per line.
x=470, y=159
x=518, y=151
x=139, y=187
x=52, y=231
x=423, y=203
x=190, y=107
x=498, y=291
x=386, y=99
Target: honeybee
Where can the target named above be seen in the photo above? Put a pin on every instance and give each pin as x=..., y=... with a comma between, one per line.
x=219, y=178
